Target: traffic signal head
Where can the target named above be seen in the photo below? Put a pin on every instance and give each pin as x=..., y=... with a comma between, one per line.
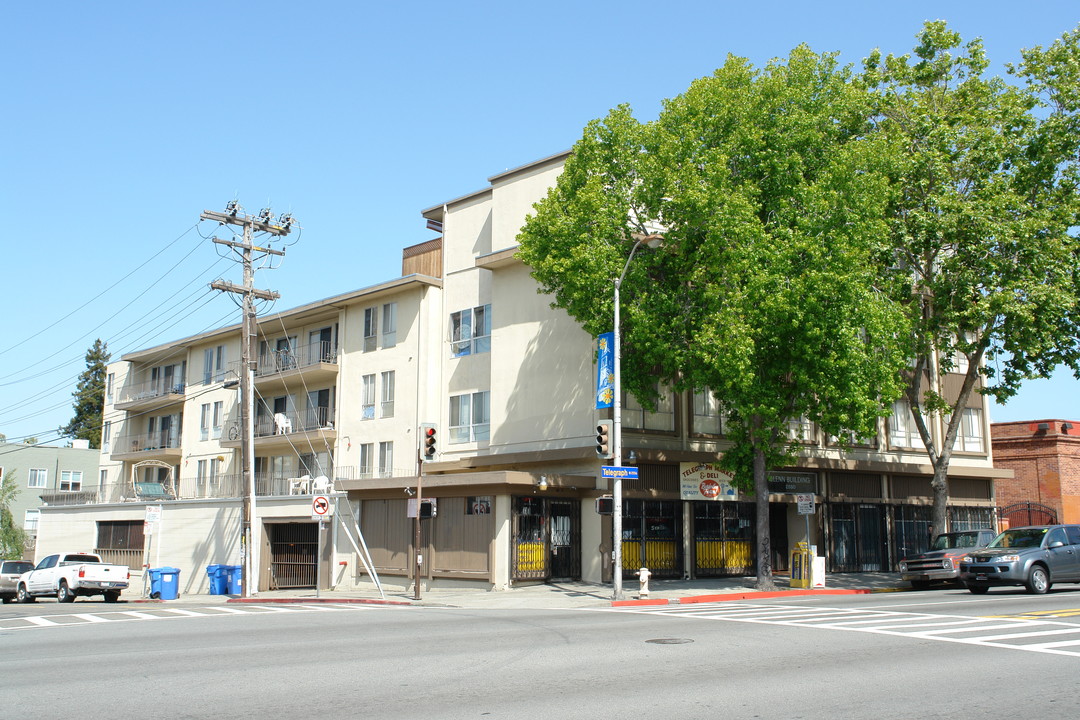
x=605, y=505
x=603, y=439
x=428, y=440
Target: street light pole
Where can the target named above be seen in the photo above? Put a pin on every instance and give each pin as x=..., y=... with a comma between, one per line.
x=652, y=241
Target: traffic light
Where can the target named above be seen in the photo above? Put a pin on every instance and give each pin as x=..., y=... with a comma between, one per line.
x=428, y=509
x=605, y=505
x=428, y=441
x=603, y=439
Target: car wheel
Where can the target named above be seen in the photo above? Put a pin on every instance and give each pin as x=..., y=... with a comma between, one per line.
x=978, y=589
x=8, y=599
x=24, y=597
x=112, y=596
x=1038, y=581
x=920, y=584
x=64, y=594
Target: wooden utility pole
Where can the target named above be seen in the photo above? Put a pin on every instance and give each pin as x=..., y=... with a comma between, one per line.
x=247, y=249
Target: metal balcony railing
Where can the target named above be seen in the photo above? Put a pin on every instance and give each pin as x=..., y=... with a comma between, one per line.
x=283, y=423
x=150, y=390
x=160, y=440
x=275, y=361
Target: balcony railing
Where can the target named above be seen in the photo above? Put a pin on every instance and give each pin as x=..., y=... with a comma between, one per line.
x=284, y=423
x=276, y=361
x=150, y=390
x=161, y=440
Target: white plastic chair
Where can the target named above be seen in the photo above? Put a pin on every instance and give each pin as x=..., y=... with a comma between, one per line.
x=282, y=423
x=322, y=485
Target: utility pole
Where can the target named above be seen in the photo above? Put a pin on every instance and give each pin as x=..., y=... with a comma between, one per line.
x=250, y=225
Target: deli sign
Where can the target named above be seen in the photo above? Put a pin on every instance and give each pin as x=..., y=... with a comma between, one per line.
x=705, y=481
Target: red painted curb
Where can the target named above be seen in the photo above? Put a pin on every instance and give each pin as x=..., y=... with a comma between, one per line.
x=658, y=601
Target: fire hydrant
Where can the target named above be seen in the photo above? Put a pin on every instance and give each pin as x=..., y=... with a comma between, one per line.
x=643, y=581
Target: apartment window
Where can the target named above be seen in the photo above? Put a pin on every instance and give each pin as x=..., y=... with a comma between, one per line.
x=371, y=328
x=902, y=430
x=367, y=397
x=30, y=520
x=367, y=451
x=39, y=478
x=70, y=480
x=470, y=331
x=204, y=422
x=214, y=364
x=386, y=409
x=389, y=325
x=103, y=479
x=110, y=381
x=386, y=459
x=470, y=417
x=707, y=420
x=969, y=437
x=120, y=535
x=106, y=435
x=218, y=418
x=800, y=429
x=635, y=415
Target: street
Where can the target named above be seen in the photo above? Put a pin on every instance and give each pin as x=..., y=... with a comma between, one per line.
x=933, y=654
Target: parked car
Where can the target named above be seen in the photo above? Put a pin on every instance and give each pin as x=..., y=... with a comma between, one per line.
x=10, y=570
x=68, y=575
x=1035, y=557
x=942, y=561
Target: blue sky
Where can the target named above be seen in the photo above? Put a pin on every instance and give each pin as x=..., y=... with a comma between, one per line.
x=122, y=121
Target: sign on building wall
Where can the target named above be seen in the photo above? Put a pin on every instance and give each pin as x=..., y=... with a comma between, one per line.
x=705, y=481
x=792, y=483
x=605, y=370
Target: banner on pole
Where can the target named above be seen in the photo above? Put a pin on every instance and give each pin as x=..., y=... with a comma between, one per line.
x=605, y=370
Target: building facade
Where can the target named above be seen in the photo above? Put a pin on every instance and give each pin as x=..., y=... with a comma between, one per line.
x=463, y=341
x=1044, y=456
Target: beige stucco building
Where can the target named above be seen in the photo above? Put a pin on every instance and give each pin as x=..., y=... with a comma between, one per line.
x=463, y=341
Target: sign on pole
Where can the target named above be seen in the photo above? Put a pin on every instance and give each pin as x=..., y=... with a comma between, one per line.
x=617, y=471
x=153, y=513
x=806, y=503
x=320, y=507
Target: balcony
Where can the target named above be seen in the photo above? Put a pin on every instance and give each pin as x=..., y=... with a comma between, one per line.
x=147, y=446
x=150, y=395
x=316, y=363
x=286, y=429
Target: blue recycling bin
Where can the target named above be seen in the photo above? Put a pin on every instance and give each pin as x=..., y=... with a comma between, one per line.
x=219, y=583
x=165, y=583
x=234, y=575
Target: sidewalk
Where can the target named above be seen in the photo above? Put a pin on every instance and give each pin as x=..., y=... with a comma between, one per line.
x=565, y=594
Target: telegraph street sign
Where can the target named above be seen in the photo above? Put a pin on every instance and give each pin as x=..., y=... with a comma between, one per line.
x=617, y=471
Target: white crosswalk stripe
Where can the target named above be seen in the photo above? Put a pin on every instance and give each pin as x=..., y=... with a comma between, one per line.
x=167, y=613
x=1022, y=632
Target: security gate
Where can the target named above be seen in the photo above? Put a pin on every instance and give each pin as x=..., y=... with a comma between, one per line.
x=293, y=554
x=723, y=538
x=856, y=537
x=652, y=537
x=547, y=539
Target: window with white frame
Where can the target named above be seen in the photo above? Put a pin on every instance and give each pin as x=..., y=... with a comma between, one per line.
x=707, y=419
x=218, y=418
x=470, y=417
x=636, y=416
x=30, y=520
x=800, y=429
x=204, y=422
x=103, y=479
x=38, y=478
x=367, y=452
x=969, y=436
x=470, y=331
x=213, y=364
x=386, y=459
x=70, y=480
x=367, y=397
x=371, y=328
x=902, y=429
x=386, y=408
x=389, y=325
x=110, y=382
x=106, y=435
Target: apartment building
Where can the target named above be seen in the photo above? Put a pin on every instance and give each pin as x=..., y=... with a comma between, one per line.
x=463, y=341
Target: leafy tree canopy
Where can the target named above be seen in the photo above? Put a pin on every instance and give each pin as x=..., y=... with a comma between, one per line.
x=12, y=536
x=90, y=397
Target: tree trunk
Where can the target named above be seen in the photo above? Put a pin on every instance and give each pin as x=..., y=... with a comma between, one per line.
x=764, y=544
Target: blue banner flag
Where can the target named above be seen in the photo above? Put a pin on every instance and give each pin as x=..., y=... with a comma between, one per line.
x=605, y=370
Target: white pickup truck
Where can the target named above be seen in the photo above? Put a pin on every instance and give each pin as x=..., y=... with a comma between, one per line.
x=68, y=575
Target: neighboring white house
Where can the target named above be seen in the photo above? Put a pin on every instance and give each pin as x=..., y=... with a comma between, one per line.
x=463, y=341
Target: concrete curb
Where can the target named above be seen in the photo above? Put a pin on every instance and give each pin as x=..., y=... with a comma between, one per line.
x=727, y=597
x=310, y=601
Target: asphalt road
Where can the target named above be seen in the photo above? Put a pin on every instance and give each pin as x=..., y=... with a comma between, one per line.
x=939, y=654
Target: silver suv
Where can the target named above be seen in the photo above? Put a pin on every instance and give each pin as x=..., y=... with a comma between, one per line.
x=10, y=570
x=1035, y=557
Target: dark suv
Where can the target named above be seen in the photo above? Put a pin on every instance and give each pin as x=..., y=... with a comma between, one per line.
x=1035, y=557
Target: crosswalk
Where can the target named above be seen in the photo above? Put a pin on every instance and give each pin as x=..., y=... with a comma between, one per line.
x=1030, y=633
x=166, y=613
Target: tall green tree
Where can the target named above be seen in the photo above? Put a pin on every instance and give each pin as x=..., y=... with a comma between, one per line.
x=983, y=224
x=765, y=183
x=89, y=397
x=12, y=536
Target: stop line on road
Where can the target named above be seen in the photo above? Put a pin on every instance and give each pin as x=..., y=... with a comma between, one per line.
x=166, y=613
x=1032, y=634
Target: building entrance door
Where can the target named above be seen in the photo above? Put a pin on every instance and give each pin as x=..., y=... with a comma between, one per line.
x=293, y=554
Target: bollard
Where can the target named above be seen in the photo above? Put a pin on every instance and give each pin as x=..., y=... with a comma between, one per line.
x=643, y=582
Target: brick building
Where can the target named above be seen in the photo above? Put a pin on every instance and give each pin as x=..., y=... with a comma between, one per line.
x=1044, y=456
